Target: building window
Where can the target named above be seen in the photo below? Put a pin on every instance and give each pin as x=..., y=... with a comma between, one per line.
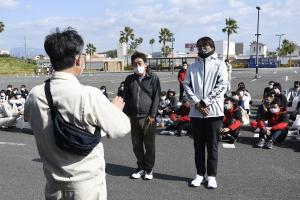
x=259, y=48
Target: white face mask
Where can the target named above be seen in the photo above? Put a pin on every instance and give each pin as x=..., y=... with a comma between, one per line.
x=184, y=66
x=271, y=86
x=227, y=106
x=274, y=110
x=139, y=69
x=18, y=96
x=102, y=91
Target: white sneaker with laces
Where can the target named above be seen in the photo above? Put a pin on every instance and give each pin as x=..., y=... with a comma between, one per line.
x=138, y=174
x=212, y=183
x=148, y=175
x=198, y=180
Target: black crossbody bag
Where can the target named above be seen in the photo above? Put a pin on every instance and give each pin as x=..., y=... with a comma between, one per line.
x=69, y=137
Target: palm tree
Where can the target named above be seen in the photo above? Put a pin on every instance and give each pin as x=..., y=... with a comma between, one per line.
x=1, y=26
x=287, y=47
x=230, y=28
x=90, y=49
x=134, y=44
x=151, y=42
x=165, y=36
x=125, y=36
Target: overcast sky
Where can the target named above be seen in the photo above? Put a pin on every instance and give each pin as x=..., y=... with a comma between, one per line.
x=100, y=21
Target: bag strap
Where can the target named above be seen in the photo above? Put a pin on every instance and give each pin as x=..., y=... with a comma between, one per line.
x=142, y=87
x=49, y=97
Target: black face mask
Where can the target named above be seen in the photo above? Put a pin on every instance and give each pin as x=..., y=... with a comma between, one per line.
x=203, y=54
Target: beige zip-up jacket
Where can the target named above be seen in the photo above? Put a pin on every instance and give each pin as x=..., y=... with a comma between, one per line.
x=84, y=106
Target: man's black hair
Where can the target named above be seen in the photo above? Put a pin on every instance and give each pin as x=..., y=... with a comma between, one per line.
x=138, y=55
x=62, y=47
x=277, y=85
x=184, y=63
x=206, y=41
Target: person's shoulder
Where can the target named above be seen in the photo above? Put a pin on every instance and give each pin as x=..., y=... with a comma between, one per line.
x=37, y=90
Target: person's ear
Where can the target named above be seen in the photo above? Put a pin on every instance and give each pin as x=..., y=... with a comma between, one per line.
x=77, y=61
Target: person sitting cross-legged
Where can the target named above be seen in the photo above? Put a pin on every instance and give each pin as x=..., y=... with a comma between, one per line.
x=232, y=120
x=276, y=130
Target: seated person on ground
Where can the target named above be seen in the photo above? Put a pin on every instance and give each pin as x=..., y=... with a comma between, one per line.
x=276, y=129
x=269, y=88
x=103, y=90
x=232, y=120
x=121, y=89
x=171, y=99
x=258, y=123
x=293, y=92
x=279, y=95
x=181, y=119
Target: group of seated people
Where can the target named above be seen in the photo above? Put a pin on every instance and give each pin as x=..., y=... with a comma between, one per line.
x=273, y=117
x=271, y=121
x=12, y=102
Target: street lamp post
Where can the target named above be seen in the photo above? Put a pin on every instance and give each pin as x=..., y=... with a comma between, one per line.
x=279, y=35
x=257, y=35
x=173, y=40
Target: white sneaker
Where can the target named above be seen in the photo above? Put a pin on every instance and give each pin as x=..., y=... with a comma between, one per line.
x=292, y=133
x=212, y=183
x=198, y=180
x=148, y=175
x=257, y=130
x=138, y=174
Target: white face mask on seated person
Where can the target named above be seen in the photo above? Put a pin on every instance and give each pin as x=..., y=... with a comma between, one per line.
x=228, y=106
x=274, y=109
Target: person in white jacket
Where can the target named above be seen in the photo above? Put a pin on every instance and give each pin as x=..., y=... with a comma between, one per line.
x=205, y=84
x=70, y=175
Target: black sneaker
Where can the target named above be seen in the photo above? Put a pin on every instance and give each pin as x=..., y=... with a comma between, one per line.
x=269, y=144
x=261, y=143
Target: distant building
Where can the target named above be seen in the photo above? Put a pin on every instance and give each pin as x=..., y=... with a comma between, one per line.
x=4, y=52
x=221, y=49
x=239, y=49
x=121, y=50
x=262, y=49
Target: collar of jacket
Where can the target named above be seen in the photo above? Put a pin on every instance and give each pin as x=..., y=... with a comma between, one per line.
x=212, y=57
x=64, y=76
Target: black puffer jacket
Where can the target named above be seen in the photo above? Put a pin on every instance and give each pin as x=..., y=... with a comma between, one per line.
x=141, y=98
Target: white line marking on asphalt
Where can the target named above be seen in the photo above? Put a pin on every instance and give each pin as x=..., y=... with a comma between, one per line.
x=286, y=78
x=256, y=135
x=233, y=77
x=296, y=72
x=168, y=81
x=229, y=146
x=275, y=72
x=12, y=143
x=253, y=80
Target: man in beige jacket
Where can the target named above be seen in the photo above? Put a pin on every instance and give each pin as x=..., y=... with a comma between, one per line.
x=69, y=175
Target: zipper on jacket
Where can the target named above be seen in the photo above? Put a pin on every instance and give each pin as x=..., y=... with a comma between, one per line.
x=203, y=77
x=138, y=99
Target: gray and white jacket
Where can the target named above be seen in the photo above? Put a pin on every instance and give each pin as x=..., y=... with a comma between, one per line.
x=206, y=81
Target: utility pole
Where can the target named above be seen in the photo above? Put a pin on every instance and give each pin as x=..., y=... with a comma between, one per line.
x=257, y=35
x=25, y=48
x=173, y=40
x=279, y=37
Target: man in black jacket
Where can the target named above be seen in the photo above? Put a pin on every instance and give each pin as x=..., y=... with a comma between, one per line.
x=141, y=96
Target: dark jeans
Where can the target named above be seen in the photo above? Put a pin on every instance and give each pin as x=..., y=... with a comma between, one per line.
x=143, y=134
x=206, y=134
x=276, y=136
x=181, y=90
